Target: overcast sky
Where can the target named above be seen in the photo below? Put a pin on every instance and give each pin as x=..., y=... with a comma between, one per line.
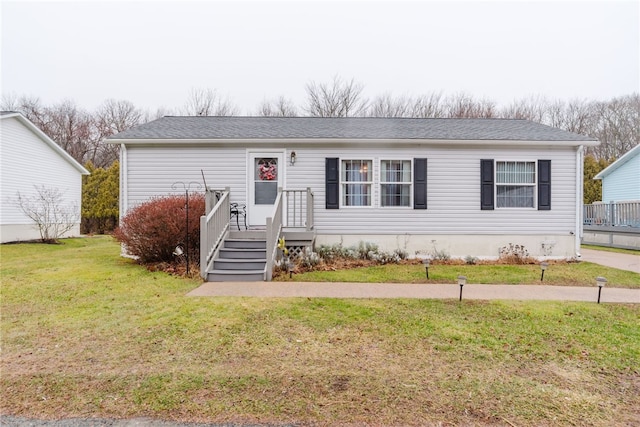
x=153, y=53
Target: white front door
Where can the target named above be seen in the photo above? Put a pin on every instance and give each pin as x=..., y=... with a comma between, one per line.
x=266, y=174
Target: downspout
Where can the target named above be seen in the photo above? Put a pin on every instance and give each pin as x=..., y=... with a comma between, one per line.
x=579, y=198
x=123, y=180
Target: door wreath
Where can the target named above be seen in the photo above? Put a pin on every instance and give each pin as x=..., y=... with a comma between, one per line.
x=267, y=169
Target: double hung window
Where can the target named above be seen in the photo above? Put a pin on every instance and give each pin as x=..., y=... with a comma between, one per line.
x=515, y=184
x=356, y=180
x=395, y=183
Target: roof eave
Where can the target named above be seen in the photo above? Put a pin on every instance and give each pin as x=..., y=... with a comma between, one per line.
x=621, y=161
x=416, y=141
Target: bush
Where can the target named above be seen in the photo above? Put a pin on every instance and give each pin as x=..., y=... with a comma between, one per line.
x=152, y=230
x=515, y=254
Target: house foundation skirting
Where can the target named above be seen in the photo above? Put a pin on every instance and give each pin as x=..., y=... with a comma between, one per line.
x=460, y=246
x=28, y=232
x=615, y=237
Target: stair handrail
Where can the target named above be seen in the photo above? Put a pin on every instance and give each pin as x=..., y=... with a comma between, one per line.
x=274, y=228
x=213, y=227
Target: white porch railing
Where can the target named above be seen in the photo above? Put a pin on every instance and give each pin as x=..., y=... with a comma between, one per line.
x=274, y=228
x=299, y=209
x=612, y=214
x=213, y=227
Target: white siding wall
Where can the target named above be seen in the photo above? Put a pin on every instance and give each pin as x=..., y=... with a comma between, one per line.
x=453, y=186
x=151, y=171
x=623, y=183
x=27, y=161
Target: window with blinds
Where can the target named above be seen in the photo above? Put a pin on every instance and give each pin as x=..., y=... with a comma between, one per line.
x=515, y=184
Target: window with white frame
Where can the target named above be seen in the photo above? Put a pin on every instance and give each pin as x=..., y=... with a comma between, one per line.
x=395, y=183
x=515, y=184
x=356, y=180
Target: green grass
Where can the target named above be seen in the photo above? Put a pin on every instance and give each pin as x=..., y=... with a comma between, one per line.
x=86, y=333
x=565, y=274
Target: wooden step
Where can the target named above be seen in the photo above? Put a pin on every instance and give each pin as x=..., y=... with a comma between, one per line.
x=239, y=264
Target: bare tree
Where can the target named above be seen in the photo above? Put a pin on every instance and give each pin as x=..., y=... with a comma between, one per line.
x=72, y=128
x=47, y=209
x=428, y=106
x=387, y=105
x=111, y=117
x=207, y=102
x=463, y=105
x=280, y=106
x=335, y=99
x=534, y=108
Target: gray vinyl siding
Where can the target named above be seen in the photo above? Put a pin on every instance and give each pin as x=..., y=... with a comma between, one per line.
x=152, y=171
x=453, y=185
x=27, y=161
x=453, y=193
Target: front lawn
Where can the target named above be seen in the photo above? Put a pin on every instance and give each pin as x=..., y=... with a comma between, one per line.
x=86, y=333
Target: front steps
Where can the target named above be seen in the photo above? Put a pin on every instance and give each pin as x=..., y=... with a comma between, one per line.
x=242, y=258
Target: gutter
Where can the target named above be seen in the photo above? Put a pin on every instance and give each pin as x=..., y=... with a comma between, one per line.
x=344, y=141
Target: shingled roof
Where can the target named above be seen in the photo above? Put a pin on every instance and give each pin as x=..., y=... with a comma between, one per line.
x=356, y=128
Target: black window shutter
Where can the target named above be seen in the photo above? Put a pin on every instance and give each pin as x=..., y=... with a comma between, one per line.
x=486, y=184
x=332, y=183
x=544, y=185
x=419, y=183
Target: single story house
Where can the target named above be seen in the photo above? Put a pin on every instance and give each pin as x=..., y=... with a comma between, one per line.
x=621, y=179
x=464, y=187
x=30, y=161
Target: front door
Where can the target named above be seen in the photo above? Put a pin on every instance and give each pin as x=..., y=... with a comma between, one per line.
x=266, y=174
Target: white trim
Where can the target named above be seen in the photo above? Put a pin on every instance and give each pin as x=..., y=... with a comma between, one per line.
x=579, y=198
x=410, y=182
x=534, y=185
x=124, y=189
x=339, y=141
x=371, y=183
x=46, y=139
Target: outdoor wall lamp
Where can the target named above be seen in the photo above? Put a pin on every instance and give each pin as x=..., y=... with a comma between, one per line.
x=600, y=281
x=292, y=158
x=462, y=280
x=543, y=267
x=426, y=262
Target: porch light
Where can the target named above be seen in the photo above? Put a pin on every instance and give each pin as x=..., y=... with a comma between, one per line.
x=462, y=280
x=600, y=281
x=426, y=263
x=292, y=158
x=543, y=267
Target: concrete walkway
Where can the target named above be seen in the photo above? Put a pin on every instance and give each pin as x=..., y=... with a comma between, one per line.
x=403, y=290
x=612, y=259
x=437, y=291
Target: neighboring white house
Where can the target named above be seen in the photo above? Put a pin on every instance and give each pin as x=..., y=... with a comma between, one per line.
x=621, y=179
x=29, y=159
x=461, y=186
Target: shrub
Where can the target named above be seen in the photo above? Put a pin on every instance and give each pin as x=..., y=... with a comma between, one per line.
x=515, y=254
x=152, y=230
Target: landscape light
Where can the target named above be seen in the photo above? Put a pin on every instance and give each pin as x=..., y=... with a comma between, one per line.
x=600, y=281
x=426, y=262
x=462, y=280
x=543, y=267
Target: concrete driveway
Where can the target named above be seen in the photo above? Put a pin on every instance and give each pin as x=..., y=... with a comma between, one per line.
x=612, y=259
